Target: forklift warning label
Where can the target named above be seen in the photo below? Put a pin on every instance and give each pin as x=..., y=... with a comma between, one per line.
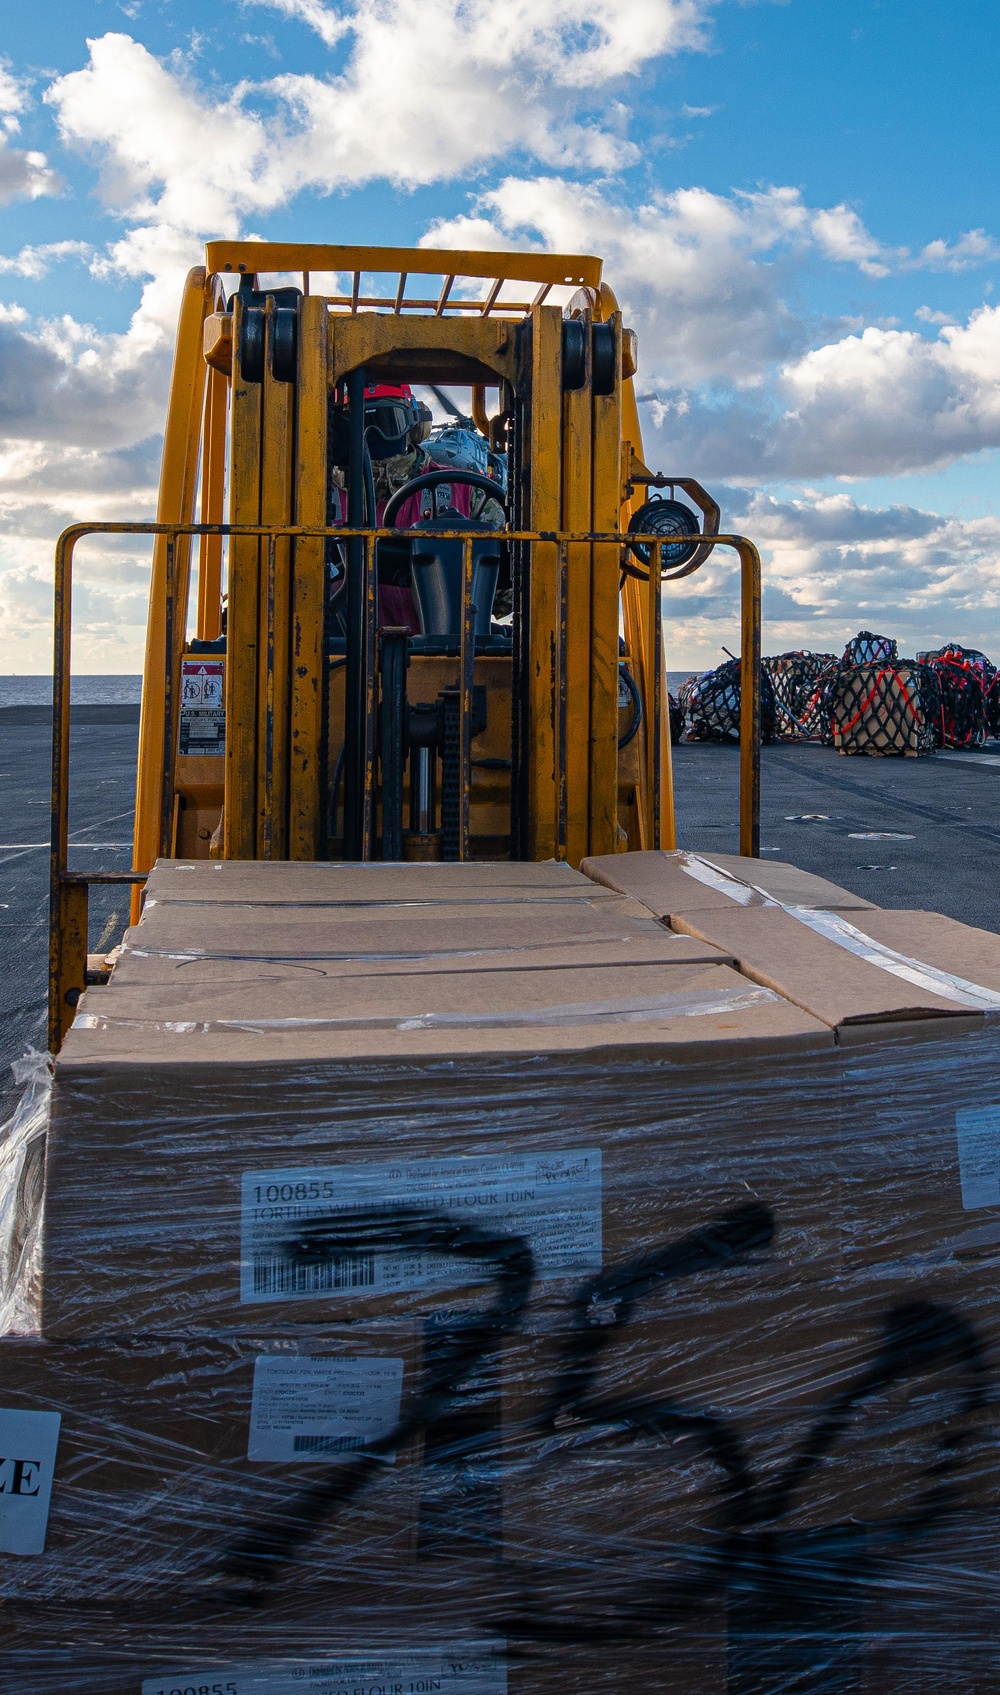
x=364, y=1229
x=309, y=1407
x=978, y=1131
x=203, y=712
x=465, y=1670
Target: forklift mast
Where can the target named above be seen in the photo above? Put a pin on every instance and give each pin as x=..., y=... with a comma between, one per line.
x=287, y=710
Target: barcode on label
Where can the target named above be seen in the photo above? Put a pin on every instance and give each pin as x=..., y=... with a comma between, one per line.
x=275, y=1275
x=327, y=1444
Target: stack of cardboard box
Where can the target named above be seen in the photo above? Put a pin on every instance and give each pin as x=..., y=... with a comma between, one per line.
x=469, y=1277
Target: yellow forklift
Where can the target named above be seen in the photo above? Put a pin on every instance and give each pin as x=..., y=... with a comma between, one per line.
x=401, y=642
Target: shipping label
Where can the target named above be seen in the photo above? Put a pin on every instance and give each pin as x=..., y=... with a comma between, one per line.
x=465, y=1670
x=28, y=1443
x=978, y=1130
x=309, y=1407
x=203, y=712
x=552, y=1199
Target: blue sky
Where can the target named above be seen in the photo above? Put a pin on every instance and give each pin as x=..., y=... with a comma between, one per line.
x=795, y=202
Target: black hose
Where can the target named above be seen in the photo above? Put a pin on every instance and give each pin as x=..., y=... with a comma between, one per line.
x=369, y=488
x=632, y=686
x=331, y=819
x=355, y=705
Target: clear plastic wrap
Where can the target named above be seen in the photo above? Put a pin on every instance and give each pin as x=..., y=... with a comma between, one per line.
x=730, y=1416
x=177, y=1460
x=388, y=1649
x=22, y=1167
x=686, y=1351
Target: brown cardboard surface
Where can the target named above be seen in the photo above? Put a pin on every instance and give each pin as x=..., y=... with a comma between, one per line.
x=323, y=882
x=142, y=965
x=153, y=1489
x=773, y=948
x=939, y=1651
x=920, y=1156
x=430, y=1643
x=655, y=1486
x=788, y=883
x=664, y=882
x=147, y=1158
x=684, y=1011
x=766, y=1361
x=391, y=931
x=942, y=942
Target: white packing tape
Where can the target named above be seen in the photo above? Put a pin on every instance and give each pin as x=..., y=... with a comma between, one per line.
x=928, y=977
x=714, y=877
x=636, y=1009
x=960, y=990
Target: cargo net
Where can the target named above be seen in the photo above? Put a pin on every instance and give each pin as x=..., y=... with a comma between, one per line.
x=970, y=698
x=711, y=705
x=886, y=708
x=866, y=648
x=801, y=683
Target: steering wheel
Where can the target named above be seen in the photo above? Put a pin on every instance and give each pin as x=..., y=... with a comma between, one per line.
x=433, y=479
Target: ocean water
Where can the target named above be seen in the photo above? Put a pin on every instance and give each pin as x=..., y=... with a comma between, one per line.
x=84, y=691
x=126, y=690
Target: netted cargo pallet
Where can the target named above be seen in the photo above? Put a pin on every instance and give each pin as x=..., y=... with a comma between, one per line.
x=967, y=681
x=815, y=714
x=711, y=705
x=801, y=683
x=888, y=708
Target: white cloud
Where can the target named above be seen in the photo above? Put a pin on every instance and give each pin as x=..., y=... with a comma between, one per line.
x=43, y=487
x=704, y=276
x=34, y=262
x=109, y=614
x=749, y=386
x=691, y=266
x=329, y=26
x=742, y=389
x=709, y=279
x=841, y=235
x=146, y=127
x=63, y=381
x=895, y=400
x=832, y=566
x=577, y=42
x=506, y=75
x=880, y=403
x=530, y=76
x=80, y=413
x=13, y=91
x=973, y=248
x=23, y=176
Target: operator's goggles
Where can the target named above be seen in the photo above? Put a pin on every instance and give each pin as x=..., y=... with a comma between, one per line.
x=391, y=418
